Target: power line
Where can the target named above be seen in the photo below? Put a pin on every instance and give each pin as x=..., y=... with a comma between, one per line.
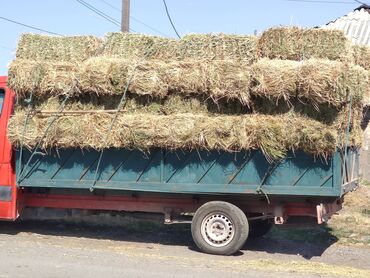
x=169, y=18
x=29, y=26
x=360, y=2
x=5, y=47
x=100, y=13
x=135, y=19
x=91, y=8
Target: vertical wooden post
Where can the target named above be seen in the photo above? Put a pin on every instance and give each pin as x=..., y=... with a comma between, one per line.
x=125, y=18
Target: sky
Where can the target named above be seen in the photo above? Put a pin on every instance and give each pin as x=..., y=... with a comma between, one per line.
x=69, y=17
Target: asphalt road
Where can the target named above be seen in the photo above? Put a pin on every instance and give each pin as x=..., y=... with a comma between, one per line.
x=142, y=249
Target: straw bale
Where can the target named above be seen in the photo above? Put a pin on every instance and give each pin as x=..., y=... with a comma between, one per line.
x=173, y=104
x=275, y=79
x=315, y=81
x=274, y=135
x=361, y=56
x=332, y=82
x=59, y=49
x=41, y=78
x=218, y=47
x=293, y=43
x=216, y=79
x=134, y=46
x=103, y=75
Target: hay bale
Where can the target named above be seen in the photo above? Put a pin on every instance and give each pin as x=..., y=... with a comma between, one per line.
x=173, y=104
x=274, y=135
x=103, y=75
x=332, y=82
x=275, y=79
x=136, y=46
x=194, y=46
x=293, y=43
x=314, y=81
x=41, y=78
x=215, y=79
x=58, y=49
x=361, y=56
x=218, y=47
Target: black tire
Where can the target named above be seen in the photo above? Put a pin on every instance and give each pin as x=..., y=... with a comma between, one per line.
x=222, y=219
x=259, y=228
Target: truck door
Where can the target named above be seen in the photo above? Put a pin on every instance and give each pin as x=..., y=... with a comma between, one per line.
x=8, y=191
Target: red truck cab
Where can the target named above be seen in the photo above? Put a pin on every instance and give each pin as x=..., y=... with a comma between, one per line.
x=8, y=190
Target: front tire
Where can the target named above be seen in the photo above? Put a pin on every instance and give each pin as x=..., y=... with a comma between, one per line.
x=219, y=228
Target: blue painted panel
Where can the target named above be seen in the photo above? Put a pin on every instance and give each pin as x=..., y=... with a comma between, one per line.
x=198, y=172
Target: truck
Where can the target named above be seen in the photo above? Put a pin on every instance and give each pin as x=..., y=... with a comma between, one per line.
x=227, y=197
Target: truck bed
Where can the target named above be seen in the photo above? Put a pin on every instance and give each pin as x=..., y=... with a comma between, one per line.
x=190, y=172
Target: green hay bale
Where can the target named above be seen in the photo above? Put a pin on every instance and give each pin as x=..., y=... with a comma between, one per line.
x=138, y=46
x=59, y=49
x=293, y=43
x=218, y=47
x=274, y=135
x=41, y=78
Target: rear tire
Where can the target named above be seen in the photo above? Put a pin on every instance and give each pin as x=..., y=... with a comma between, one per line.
x=219, y=228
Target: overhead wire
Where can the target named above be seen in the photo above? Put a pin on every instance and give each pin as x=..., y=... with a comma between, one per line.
x=135, y=19
x=29, y=26
x=5, y=47
x=102, y=14
x=169, y=18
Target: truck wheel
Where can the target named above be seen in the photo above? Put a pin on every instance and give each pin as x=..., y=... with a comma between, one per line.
x=259, y=228
x=219, y=228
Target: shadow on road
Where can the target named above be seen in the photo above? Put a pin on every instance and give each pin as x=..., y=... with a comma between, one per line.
x=307, y=242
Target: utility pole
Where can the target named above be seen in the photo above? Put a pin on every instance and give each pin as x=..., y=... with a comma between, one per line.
x=125, y=18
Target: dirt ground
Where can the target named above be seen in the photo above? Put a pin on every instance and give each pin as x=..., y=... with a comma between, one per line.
x=127, y=247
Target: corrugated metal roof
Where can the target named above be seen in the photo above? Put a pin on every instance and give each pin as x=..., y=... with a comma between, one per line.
x=355, y=25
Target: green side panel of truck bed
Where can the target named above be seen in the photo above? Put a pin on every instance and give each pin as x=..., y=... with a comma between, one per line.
x=190, y=172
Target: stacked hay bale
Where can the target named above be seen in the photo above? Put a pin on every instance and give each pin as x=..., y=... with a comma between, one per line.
x=289, y=89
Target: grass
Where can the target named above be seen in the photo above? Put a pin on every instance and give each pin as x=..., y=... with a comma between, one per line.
x=350, y=227
x=352, y=224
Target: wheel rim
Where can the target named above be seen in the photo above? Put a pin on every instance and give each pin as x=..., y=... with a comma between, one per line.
x=217, y=229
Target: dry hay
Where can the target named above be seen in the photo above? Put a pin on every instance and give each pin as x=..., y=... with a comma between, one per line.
x=59, y=49
x=218, y=46
x=103, y=75
x=51, y=78
x=216, y=79
x=293, y=43
x=109, y=76
x=311, y=81
x=134, y=46
x=275, y=79
x=361, y=55
x=133, y=104
x=274, y=135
